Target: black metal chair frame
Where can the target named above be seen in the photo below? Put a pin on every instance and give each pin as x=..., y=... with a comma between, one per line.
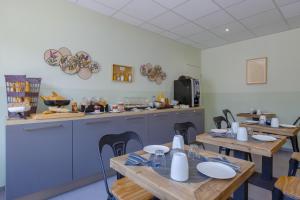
x=118, y=143
x=218, y=122
x=183, y=128
x=226, y=113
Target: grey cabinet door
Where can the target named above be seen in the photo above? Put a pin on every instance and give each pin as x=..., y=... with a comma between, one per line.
x=160, y=128
x=38, y=157
x=197, y=117
x=86, y=135
x=137, y=124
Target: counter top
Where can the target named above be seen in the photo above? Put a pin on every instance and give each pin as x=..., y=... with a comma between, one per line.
x=10, y=122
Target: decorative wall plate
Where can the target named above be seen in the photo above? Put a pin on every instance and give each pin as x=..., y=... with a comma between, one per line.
x=154, y=74
x=64, y=51
x=69, y=64
x=52, y=57
x=85, y=73
x=81, y=63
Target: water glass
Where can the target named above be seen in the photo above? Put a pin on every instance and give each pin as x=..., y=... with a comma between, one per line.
x=159, y=159
x=193, y=152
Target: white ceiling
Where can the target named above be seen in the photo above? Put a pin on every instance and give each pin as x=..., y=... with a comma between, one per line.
x=202, y=23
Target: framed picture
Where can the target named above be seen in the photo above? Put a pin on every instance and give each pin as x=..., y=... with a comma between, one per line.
x=256, y=71
x=122, y=73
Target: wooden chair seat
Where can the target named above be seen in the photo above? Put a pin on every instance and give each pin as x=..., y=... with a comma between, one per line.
x=296, y=156
x=124, y=189
x=289, y=186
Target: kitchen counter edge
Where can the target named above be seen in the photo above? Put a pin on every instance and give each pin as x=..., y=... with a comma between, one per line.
x=11, y=122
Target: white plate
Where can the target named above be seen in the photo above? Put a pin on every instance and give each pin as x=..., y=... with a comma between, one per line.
x=218, y=130
x=152, y=148
x=216, y=170
x=265, y=138
x=250, y=122
x=287, y=125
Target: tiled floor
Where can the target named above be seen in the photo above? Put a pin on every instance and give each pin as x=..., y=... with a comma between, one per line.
x=97, y=191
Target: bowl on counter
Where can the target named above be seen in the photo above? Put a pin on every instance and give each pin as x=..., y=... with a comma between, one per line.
x=57, y=103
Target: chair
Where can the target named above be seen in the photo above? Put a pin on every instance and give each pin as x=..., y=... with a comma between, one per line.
x=123, y=188
x=218, y=122
x=294, y=139
x=182, y=129
x=296, y=122
x=294, y=163
x=228, y=113
x=288, y=187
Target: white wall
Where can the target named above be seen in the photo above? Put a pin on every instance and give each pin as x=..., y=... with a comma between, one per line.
x=30, y=27
x=224, y=77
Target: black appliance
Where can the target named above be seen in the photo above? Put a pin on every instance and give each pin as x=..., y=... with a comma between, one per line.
x=187, y=91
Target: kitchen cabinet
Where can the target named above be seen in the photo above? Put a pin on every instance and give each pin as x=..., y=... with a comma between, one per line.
x=38, y=157
x=46, y=155
x=86, y=136
x=137, y=124
x=160, y=128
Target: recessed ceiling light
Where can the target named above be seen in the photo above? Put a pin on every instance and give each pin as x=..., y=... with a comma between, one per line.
x=227, y=29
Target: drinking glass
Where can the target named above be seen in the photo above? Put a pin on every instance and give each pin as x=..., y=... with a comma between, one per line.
x=193, y=151
x=159, y=159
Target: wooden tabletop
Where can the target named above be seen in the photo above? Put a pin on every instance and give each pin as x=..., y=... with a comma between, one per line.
x=249, y=115
x=250, y=146
x=163, y=188
x=268, y=129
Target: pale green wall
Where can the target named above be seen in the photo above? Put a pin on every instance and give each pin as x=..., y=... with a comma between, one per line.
x=224, y=84
x=30, y=27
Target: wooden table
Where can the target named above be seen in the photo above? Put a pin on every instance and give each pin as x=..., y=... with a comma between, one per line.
x=163, y=188
x=291, y=133
x=240, y=149
x=255, y=116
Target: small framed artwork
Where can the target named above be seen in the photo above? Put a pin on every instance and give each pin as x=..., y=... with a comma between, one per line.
x=122, y=73
x=256, y=71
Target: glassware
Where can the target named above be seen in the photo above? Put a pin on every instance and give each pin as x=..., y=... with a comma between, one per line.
x=159, y=159
x=193, y=152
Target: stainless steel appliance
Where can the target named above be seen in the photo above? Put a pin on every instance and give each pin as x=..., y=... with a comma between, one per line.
x=187, y=91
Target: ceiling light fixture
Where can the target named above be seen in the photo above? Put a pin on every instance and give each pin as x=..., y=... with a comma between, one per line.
x=227, y=29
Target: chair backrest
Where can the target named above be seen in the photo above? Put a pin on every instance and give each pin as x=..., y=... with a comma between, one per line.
x=227, y=113
x=297, y=121
x=118, y=143
x=218, y=122
x=182, y=129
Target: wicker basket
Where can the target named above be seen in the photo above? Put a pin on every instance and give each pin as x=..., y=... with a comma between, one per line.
x=19, y=89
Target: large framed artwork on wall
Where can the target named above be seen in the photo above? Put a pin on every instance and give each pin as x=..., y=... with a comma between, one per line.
x=256, y=71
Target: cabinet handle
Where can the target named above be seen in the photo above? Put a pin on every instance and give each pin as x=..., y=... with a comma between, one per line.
x=133, y=118
x=98, y=122
x=44, y=127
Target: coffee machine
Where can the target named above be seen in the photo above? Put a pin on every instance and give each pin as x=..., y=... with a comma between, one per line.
x=187, y=91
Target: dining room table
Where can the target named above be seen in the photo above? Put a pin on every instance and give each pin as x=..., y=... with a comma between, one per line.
x=290, y=132
x=241, y=149
x=255, y=116
x=163, y=187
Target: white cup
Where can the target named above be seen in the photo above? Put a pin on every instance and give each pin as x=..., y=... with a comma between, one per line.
x=275, y=122
x=178, y=142
x=242, y=134
x=258, y=112
x=262, y=119
x=234, y=127
x=179, y=167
